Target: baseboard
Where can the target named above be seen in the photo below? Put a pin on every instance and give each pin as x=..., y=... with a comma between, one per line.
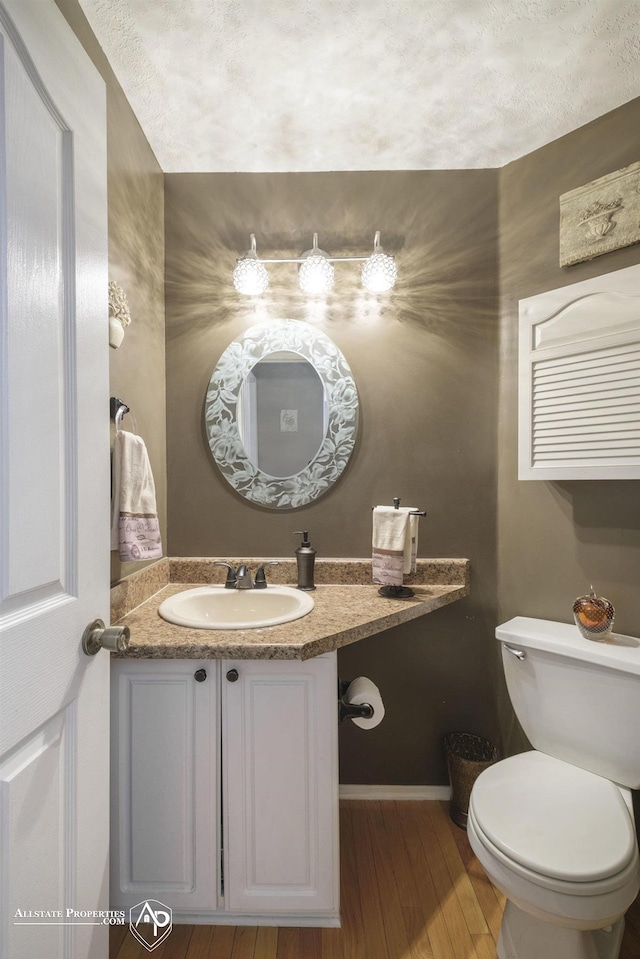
x=357, y=791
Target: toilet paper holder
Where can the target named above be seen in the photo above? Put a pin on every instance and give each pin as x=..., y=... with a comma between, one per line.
x=351, y=710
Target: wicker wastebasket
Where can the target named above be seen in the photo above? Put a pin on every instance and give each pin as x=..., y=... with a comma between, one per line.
x=467, y=756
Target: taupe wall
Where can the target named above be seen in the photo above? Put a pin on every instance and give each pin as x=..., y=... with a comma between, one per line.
x=425, y=362
x=556, y=539
x=136, y=262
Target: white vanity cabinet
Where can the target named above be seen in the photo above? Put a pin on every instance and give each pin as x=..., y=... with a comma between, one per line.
x=165, y=783
x=225, y=790
x=280, y=786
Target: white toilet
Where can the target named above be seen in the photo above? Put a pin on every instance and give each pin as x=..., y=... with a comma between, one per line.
x=554, y=827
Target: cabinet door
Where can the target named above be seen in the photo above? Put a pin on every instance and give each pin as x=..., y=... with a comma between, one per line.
x=280, y=786
x=165, y=783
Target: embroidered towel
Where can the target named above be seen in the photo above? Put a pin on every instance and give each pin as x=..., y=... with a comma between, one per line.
x=394, y=544
x=413, y=533
x=135, y=530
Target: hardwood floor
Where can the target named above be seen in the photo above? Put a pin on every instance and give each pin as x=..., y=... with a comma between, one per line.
x=411, y=889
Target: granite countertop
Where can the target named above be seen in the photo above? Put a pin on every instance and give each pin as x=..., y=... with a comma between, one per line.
x=346, y=610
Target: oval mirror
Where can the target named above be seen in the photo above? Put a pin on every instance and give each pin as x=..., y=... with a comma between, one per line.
x=281, y=414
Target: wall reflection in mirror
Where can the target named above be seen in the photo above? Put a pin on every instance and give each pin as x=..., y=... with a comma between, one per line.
x=281, y=414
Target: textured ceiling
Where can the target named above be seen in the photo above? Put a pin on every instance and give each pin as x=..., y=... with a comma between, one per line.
x=301, y=85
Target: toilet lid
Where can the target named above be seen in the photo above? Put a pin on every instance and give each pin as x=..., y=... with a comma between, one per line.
x=556, y=819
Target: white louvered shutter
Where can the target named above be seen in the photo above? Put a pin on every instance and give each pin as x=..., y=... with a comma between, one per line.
x=579, y=391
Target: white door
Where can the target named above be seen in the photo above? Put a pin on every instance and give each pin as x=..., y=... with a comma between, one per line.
x=54, y=488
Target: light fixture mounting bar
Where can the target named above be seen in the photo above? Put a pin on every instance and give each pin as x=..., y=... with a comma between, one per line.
x=301, y=259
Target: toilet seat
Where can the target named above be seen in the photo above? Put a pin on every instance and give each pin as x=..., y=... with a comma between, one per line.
x=599, y=887
x=534, y=796
x=537, y=814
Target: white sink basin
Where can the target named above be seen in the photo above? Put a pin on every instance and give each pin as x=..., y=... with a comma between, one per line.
x=214, y=607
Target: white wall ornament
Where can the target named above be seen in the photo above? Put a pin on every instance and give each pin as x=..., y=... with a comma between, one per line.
x=600, y=216
x=119, y=316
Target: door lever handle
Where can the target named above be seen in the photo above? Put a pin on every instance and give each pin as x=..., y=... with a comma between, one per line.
x=97, y=636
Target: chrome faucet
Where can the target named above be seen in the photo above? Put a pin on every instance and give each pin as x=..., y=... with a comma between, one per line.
x=243, y=577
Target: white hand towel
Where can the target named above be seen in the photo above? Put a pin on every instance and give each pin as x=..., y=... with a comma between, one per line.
x=413, y=534
x=394, y=544
x=135, y=530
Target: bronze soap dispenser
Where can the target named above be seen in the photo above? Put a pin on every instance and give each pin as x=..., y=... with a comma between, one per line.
x=305, y=558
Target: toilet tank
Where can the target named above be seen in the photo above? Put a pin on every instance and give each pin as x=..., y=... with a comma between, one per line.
x=577, y=700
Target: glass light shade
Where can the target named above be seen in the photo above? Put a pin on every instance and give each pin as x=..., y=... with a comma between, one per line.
x=379, y=273
x=316, y=274
x=250, y=276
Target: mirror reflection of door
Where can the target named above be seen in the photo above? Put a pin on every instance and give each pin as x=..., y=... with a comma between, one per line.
x=282, y=414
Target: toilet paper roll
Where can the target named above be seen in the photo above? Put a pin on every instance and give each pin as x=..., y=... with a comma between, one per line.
x=361, y=691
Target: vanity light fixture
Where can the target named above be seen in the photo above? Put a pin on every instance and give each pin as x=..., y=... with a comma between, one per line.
x=379, y=272
x=250, y=276
x=315, y=270
x=316, y=273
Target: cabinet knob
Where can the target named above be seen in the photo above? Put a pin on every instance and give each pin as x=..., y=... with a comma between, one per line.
x=233, y=676
x=200, y=675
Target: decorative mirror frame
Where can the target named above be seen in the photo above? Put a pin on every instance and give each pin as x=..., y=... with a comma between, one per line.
x=221, y=405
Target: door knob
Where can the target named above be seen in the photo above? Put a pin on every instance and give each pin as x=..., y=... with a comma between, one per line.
x=233, y=676
x=97, y=636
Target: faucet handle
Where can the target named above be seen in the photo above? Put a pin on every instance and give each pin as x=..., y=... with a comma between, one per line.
x=230, y=582
x=260, y=581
